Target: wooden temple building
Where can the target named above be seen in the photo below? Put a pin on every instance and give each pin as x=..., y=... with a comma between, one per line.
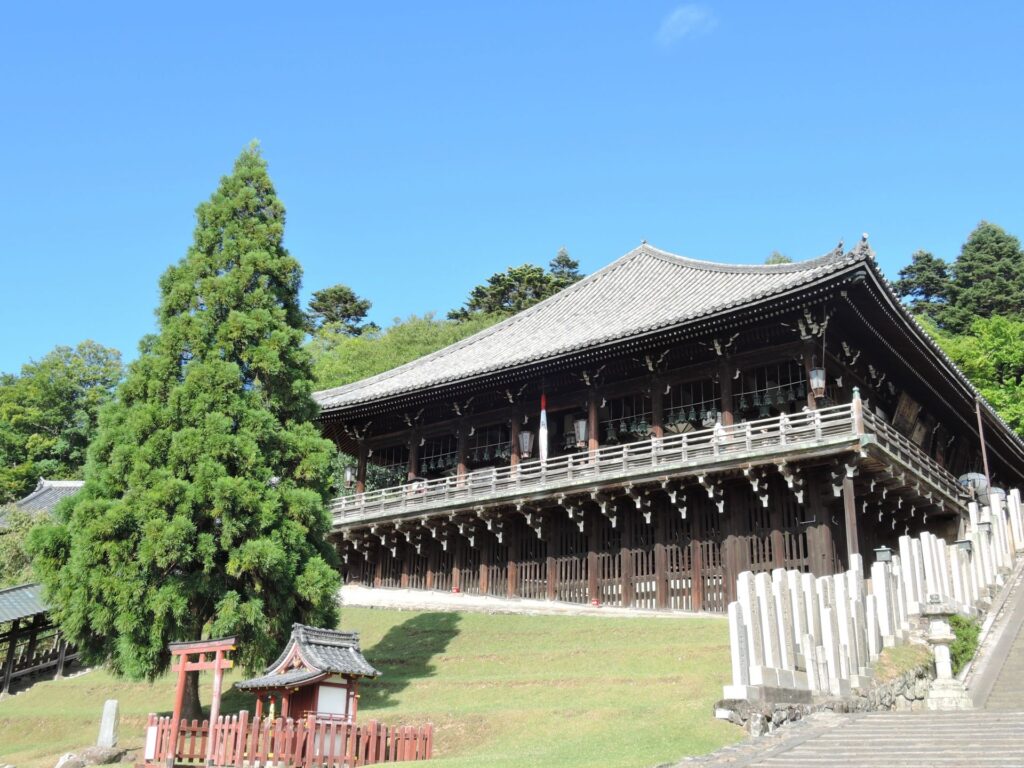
x=648, y=433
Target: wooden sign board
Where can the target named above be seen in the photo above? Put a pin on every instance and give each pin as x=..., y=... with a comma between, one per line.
x=907, y=411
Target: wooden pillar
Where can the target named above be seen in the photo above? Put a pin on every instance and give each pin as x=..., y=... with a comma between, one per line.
x=626, y=557
x=725, y=374
x=593, y=425
x=593, y=543
x=258, y=716
x=819, y=533
x=378, y=566
x=696, y=563
x=431, y=563
x=12, y=647
x=457, y=543
x=513, y=557
x=361, y=468
x=486, y=555
x=514, y=434
x=62, y=654
x=777, y=537
x=179, y=696
x=660, y=559
x=850, y=516
x=809, y=351
x=657, y=409
x=462, y=442
x=407, y=551
x=218, y=681
x=414, y=456
x=551, y=565
x=284, y=705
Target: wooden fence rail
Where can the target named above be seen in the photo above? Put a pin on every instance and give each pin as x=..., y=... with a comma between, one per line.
x=310, y=742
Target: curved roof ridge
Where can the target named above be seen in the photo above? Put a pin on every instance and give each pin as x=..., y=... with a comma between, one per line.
x=766, y=279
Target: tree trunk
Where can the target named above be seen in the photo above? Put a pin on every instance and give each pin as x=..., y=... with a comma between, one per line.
x=191, y=709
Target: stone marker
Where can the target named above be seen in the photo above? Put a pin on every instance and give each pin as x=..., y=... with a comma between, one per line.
x=738, y=647
x=109, y=724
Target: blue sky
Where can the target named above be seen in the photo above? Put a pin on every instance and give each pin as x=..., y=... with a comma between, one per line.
x=419, y=147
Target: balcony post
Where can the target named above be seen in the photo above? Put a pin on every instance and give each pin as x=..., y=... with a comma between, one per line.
x=858, y=412
x=657, y=409
x=363, y=455
x=725, y=371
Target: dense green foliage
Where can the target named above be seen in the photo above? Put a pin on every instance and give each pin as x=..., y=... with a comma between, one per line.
x=15, y=563
x=339, y=359
x=339, y=309
x=974, y=308
x=986, y=279
x=962, y=650
x=203, y=507
x=48, y=415
x=778, y=258
x=517, y=288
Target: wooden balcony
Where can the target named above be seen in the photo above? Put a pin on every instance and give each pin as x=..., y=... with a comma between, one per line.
x=831, y=431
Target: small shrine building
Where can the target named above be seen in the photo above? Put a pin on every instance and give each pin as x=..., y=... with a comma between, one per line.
x=318, y=672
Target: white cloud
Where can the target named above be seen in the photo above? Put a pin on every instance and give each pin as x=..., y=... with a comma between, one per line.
x=685, y=21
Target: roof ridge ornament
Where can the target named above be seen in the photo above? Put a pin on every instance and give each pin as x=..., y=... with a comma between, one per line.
x=863, y=248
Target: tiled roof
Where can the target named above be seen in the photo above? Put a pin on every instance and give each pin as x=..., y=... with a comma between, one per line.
x=47, y=493
x=21, y=601
x=327, y=651
x=647, y=289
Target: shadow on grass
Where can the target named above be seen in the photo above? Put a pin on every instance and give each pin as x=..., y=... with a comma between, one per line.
x=405, y=654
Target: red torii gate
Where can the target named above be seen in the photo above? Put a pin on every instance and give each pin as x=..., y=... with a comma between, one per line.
x=183, y=663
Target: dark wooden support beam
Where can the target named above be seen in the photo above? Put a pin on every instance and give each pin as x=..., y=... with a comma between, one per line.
x=414, y=456
x=593, y=545
x=407, y=554
x=378, y=566
x=361, y=467
x=513, y=558
x=514, y=434
x=462, y=442
x=12, y=647
x=809, y=352
x=486, y=553
x=593, y=428
x=626, y=560
x=431, y=563
x=62, y=654
x=850, y=515
x=725, y=373
x=660, y=560
x=458, y=544
x=552, y=567
x=696, y=565
x=657, y=409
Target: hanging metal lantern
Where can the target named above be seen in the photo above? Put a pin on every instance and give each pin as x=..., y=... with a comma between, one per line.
x=526, y=438
x=703, y=414
x=764, y=411
x=779, y=399
x=789, y=395
x=623, y=426
x=817, y=380
x=757, y=399
x=579, y=427
x=611, y=436
x=642, y=428
x=692, y=415
x=350, y=476
x=743, y=403
x=487, y=454
x=800, y=391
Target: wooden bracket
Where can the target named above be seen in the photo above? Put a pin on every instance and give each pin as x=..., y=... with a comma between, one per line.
x=840, y=471
x=758, y=479
x=794, y=478
x=715, y=491
x=606, y=505
x=641, y=500
x=574, y=508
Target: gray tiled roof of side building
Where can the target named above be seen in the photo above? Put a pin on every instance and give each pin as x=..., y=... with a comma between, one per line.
x=645, y=290
x=21, y=601
x=47, y=493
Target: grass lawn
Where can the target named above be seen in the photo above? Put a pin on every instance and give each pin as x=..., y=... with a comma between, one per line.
x=501, y=690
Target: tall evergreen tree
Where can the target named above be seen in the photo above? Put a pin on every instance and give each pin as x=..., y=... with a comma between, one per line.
x=987, y=278
x=563, y=270
x=203, y=508
x=925, y=281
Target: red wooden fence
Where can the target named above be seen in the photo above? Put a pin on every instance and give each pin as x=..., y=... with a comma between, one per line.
x=313, y=742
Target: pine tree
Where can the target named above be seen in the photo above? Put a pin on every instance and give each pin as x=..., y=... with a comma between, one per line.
x=563, y=270
x=203, y=508
x=987, y=278
x=338, y=309
x=925, y=281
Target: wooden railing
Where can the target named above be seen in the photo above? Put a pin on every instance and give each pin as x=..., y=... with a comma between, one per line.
x=807, y=431
x=310, y=742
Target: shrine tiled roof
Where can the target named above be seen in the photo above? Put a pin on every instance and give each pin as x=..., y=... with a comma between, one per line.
x=644, y=291
x=321, y=651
